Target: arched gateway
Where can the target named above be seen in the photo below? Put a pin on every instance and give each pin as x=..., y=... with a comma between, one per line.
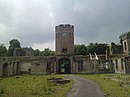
x=64, y=66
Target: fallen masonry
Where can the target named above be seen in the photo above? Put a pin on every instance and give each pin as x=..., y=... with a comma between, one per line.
x=59, y=80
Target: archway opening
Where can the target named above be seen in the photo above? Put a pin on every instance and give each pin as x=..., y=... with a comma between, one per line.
x=64, y=66
x=5, y=69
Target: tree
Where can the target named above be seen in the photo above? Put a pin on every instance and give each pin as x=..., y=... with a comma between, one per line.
x=46, y=52
x=14, y=43
x=115, y=49
x=3, y=50
x=36, y=52
x=99, y=48
x=80, y=49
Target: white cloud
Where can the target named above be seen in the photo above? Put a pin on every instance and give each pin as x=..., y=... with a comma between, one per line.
x=42, y=46
x=32, y=22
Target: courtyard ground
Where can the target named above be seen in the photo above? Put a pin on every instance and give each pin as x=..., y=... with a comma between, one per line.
x=32, y=86
x=112, y=85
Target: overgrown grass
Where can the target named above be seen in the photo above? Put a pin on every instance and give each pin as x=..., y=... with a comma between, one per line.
x=113, y=85
x=32, y=86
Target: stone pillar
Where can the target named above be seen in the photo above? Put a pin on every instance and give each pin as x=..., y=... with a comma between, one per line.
x=72, y=65
x=55, y=65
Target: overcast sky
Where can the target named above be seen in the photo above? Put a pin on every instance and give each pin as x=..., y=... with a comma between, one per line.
x=32, y=22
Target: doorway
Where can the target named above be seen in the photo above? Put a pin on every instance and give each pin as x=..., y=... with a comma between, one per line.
x=5, y=69
x=64, y=66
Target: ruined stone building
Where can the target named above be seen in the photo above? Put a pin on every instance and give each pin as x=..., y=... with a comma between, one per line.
x=126, y=43
x=64, y=62
x=122, y=62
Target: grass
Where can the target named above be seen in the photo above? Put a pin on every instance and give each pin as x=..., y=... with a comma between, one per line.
x=113, y=85
x=32, y=86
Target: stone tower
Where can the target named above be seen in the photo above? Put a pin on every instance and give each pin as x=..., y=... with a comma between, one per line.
x=64, y=39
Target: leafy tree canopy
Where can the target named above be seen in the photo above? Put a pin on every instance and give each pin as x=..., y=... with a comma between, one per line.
x=36, y=52
x=3, y=50
x=80, y=49
x=115, y=48
x=14, y=43
x=46, y=52
x=98, y=48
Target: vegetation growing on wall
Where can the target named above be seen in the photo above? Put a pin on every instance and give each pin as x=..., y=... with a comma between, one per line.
x=3, y=50
x=123, y=35
x=115, y=49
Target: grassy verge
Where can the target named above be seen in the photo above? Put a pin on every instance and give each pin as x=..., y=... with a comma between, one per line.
x=113, y=85
x=32, y=86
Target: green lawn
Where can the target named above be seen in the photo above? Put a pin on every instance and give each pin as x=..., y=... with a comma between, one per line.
x=32, y=86
x=113, y=85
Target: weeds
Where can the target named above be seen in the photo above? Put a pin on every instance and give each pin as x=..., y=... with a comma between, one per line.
x=113, y=85
x=32, y=86
x=2, y=90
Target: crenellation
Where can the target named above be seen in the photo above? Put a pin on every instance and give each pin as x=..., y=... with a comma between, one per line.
x=64, y=27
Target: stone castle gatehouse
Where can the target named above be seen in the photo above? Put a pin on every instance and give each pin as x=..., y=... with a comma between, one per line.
x=63, y=62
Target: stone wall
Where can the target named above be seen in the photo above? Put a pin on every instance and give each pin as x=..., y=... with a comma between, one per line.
x=9, y=68
x=90, y=66
x=126, y=46
x=25, y=67
x=127, y=64
x=47, y=65
x=39, y=67
x=120, y=65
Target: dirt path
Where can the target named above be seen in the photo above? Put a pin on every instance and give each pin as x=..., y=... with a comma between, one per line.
x=84, y=88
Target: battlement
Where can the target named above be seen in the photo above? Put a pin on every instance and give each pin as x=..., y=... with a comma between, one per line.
x=64, y=26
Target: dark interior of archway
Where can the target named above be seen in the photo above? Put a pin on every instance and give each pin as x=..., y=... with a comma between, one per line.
x=5, y=70
x=64, y=66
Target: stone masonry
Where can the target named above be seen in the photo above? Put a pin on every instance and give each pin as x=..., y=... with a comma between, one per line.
x=64, y=39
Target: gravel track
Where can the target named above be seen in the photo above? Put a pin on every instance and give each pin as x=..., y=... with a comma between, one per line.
x=84, y=88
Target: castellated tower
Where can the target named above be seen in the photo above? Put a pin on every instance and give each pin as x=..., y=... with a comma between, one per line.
x=64, y=39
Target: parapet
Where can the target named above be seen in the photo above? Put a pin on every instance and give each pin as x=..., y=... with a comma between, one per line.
x=63, y=27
